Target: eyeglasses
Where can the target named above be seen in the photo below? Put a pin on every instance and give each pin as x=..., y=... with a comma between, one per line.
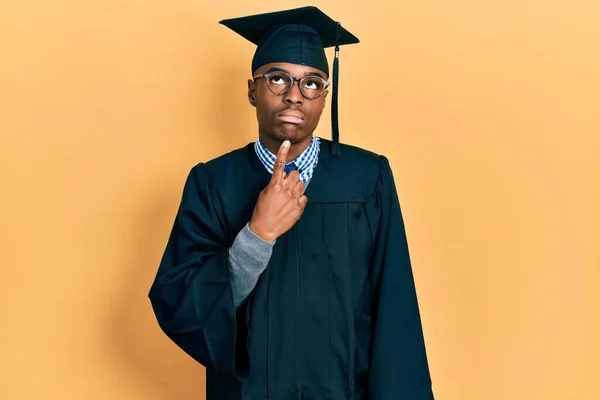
x=279, y=83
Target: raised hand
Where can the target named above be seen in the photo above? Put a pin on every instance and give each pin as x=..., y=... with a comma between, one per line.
x=281, y=204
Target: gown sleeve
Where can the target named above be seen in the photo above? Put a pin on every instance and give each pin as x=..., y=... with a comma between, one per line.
x=191, y=295
x=398, y=365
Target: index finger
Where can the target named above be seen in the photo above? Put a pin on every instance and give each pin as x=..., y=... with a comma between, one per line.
x=279, y=167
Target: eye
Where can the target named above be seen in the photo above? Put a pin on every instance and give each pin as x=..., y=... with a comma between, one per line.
x=279, y=79
x=313, y=84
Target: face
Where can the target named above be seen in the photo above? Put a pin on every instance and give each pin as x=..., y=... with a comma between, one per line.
x=290, y=116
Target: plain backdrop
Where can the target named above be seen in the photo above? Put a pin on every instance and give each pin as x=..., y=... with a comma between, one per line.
x=489, y=112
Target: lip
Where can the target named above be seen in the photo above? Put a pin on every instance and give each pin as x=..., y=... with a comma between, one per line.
x=290, y=116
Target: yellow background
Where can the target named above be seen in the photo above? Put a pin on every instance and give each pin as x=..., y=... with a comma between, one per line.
x=488, y=110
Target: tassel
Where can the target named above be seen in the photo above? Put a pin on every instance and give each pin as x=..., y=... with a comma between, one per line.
x=335, y=129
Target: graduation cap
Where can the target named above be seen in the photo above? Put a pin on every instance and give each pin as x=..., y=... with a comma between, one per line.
x=296, y=36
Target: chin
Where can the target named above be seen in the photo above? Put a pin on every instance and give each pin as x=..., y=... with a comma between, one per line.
x=293, y=134
x=289, y=132
x=293, y=140
x=285, y=134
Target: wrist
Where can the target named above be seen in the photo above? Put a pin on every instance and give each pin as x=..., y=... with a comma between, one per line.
x=260, y=233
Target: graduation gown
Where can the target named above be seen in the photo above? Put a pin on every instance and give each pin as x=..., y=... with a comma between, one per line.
x=335, y=313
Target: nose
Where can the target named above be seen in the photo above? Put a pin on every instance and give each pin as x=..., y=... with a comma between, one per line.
x=294, y=96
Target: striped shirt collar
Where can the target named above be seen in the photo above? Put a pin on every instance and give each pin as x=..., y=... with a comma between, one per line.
x=305, y=162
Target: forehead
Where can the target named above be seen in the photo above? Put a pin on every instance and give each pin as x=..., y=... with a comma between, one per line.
x=296, y=70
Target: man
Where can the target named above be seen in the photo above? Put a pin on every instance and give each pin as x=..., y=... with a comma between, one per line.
x=287, y=271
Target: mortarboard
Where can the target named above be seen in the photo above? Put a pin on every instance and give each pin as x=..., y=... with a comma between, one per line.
x=297, y=36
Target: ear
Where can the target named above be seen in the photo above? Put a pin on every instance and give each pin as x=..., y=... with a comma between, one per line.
x=252, y=92
x=324, y=96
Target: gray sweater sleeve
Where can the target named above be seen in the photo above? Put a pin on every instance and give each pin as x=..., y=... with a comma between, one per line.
x=248, y=258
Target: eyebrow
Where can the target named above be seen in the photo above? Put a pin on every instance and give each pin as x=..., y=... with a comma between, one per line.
x=277, y=69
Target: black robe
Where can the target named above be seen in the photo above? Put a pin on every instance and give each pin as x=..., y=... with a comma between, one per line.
x=335, y=313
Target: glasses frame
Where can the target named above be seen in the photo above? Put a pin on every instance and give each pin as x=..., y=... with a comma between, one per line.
x=293, y=80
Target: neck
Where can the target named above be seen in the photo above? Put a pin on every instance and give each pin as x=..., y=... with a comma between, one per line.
x=296, y=149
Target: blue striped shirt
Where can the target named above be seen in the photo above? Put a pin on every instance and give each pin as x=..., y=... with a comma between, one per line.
x=305, y=162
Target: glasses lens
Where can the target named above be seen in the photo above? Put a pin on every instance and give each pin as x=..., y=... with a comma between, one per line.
x=279, y=82
x=312, y=87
